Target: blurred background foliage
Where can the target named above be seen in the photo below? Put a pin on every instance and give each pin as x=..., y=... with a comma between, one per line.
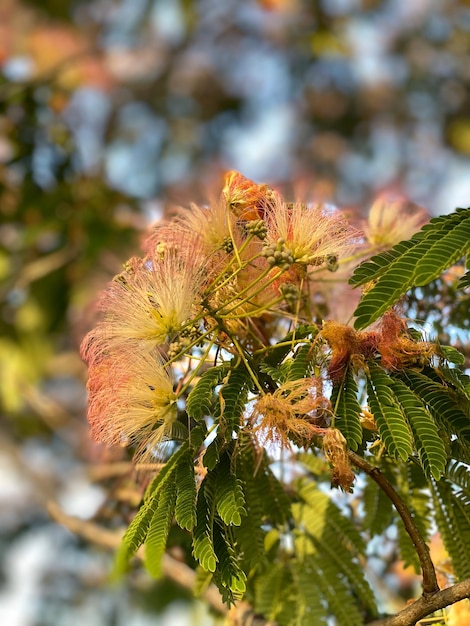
x=111, y=112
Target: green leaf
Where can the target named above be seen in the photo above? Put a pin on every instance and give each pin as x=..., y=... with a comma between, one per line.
x=457, y=379
x=233, y=397
x=229, y=496
x=453, y=520
x=443, y=403
x=444, y=252
x=138, y=529
x=273, y=371
x=414, y=490
x=272, y=495
x=159, y=528
x=459, y=474
x=229, y=573
x=317, y=465
x=377, y=508
x=452, y=355
x=311, y=609
x=348, y=410
x=202, y=582
x=464, y=281
x=251, y=533
x=203, y=545
x=270, y=589
x=416, y=262
x=200, y=399
x=300, y=366
x=375, y=266
x=340, y=599
x=134, y=537
x=428, y=442
x=185, y=510
x=391, y=423
x=334, y=537
x=212, y=453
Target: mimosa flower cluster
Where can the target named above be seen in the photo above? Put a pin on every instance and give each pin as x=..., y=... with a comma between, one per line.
x=218, y=281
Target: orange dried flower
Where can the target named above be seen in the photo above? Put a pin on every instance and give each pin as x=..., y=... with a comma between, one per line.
x=347, y=346
x=397, y=348
x=334, y=446
x=391, y=340
x=291, y=413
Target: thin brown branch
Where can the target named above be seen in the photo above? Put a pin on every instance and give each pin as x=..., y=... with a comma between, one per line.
x=121, y=468
x=430, y=585
x=426, y=605
x=241, y=614
x=173, y=569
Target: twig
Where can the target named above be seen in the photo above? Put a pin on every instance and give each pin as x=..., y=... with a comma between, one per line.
x=430, y=585
x=120, y=468
x=179, y=572
x=426, y=605
x=432, y=598
x=241, y=614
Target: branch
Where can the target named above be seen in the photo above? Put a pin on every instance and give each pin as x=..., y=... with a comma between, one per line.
x=430, y=586
x=425, y=606
x=177, y=571
x=241, y=613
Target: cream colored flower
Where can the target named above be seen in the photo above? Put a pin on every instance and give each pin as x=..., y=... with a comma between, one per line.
x=149, y=303
x=310, y=233
x=391, y=221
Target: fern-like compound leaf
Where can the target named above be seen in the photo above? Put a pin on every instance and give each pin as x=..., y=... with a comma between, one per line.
x=453, y=520
x=340, y=599
x=391, y=423
x=452, y=355
x=459, y=474
x=185, y=509
x=444, y=252
x=269, y=592
x=348, y=410
x=311, y=607
x=443, y=403
x=334, y=539
x=377, y=508
x=251, y=533
x=413, y=486
x=278, y=352
x=300, y=365
x=458, y=379
x=212, y=453
x=429, y=444
x=233, y=397
x=377, y=264
x=203, y=544
x=464, y=282
x=229, y=575
x=200, y=399
x=229, y=496
x=138, y=529
x=159, y=528
x=415, y=262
